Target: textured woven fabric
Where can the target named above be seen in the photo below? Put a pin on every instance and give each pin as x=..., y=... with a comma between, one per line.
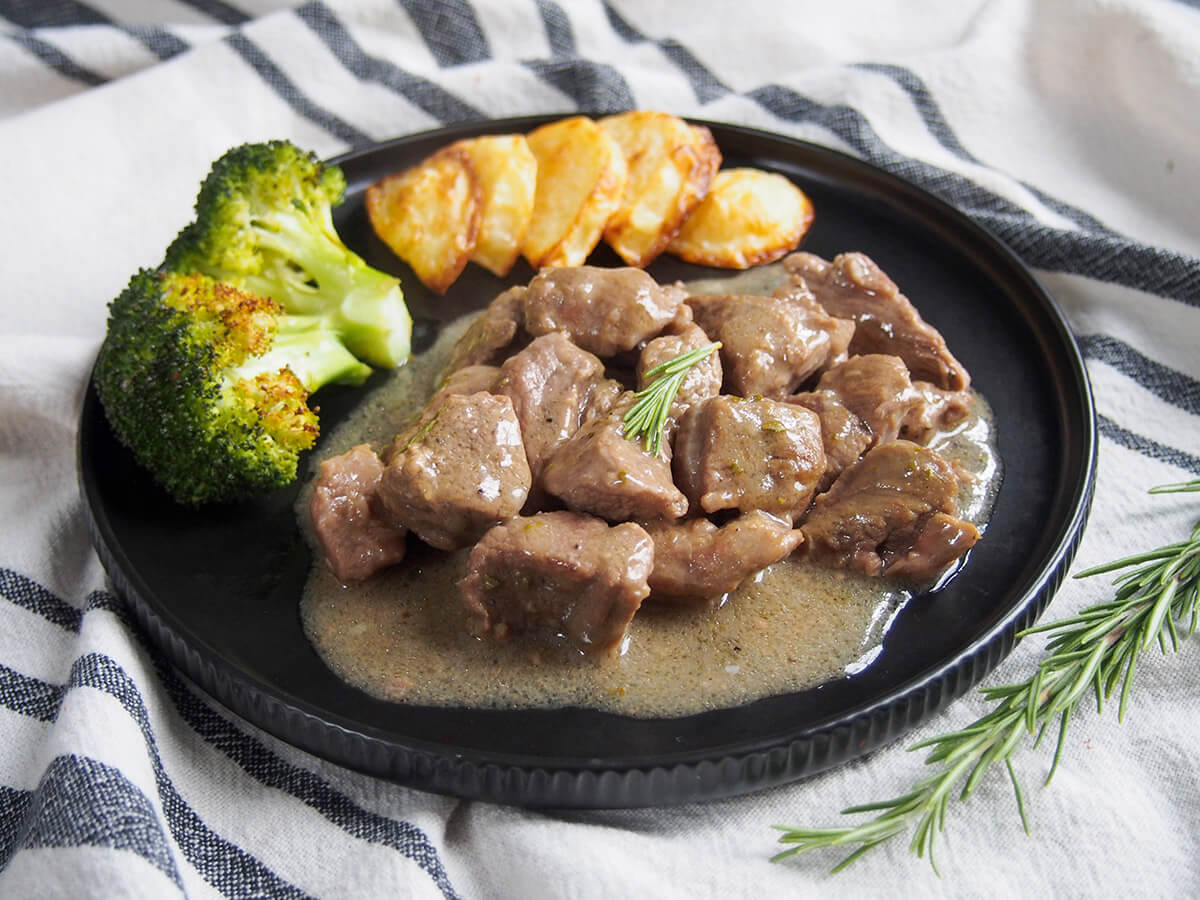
x=1068, y=128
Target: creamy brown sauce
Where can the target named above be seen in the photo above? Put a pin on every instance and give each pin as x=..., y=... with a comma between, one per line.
x=402, y=635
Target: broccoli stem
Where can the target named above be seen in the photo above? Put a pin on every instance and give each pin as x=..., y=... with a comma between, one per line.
x=314, y=353
x=371, y=317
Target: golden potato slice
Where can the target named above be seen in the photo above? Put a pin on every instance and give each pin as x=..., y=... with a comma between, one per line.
x=429, y=215
x=581, y=173
x=671, y=166
x=507, y=173
x=749, y=217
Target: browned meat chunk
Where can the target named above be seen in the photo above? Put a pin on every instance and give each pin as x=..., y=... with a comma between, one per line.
x=892, y=513
x=844, y=435
x=769, y=345
x=941, y=411
x=550, y=384
x=356, y=541
x=740, y=454
x=600, y=471
x=493, y=334
x=702, y=380
x=877, y=389
x=852, y=286
x=840, y=331
x=695, y=562
x=564, y=571
x=601, y=399
x=467, y=380
x=463, y=472
x=939, y=541
x=604, y=311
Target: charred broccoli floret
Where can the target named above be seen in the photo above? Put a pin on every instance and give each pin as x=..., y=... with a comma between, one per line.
x=208, y=384
x=264, y=224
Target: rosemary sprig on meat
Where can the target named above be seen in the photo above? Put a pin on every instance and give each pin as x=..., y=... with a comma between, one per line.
x=1157, y=601
x=648, y=416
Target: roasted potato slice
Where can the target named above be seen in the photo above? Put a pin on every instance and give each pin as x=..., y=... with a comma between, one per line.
x=749, y=217
x=507, y=173
x=671, y=166
x=581, y=173
x=429, y=215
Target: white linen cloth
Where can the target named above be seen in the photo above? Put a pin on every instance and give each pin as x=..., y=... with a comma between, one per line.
x=1070, y=128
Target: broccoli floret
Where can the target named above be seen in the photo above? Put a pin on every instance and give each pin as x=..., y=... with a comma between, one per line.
x=264, y=223
x=208, y=384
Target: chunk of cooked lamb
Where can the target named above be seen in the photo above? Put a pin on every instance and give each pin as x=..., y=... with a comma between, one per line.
x=840, y=331
x=463, y=472
x=844, y=436
x=697, y=562
x=740, y=454
x=551, y=384
x=941, y=411
x=604, y=311
x=493, y=334
x=564, y=571
x=467, y=380
x=600, y=471
x=853, y=286
x=877, y=389
x=892, y=513
x=702, y=380
x=769, y=345
x=356, y=540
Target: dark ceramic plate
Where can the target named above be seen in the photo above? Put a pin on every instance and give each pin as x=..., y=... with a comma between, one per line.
x=219, y=589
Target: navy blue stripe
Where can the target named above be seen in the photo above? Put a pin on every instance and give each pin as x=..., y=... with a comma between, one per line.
x=26, y=593
x=935, y=122
x=593, y=86
x=705, y=84
x=56, y=59
x=258, y=761
x=250, y=754
x=623, y=29
x=1169, y=385
x=223, y=864
x=287, y=90
x=450, y=29
x=218, y=10
x=81, y=802
x=1128, y=263
x=49, y=13
x=845, y=121
x=14, y=808
x=30, y=696
x=1101, y=254
x=852, y=127
x=559, y=34
x=1105, y=257
x=157, y=40
x=925, y=105
x=1147, y=447
x=422, y=93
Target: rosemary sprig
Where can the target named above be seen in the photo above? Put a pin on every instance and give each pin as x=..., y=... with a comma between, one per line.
x=1096, y=651
x=647, y=417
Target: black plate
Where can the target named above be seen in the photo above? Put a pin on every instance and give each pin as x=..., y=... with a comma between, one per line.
x=219, y=589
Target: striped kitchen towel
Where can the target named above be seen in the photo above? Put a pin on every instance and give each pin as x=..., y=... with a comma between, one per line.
x=1068, y=128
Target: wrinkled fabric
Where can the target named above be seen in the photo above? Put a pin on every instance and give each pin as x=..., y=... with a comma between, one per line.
x=1068, y=128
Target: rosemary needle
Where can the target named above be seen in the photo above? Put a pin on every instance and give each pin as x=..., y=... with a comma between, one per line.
x=648, y=416
x=1157, y=600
